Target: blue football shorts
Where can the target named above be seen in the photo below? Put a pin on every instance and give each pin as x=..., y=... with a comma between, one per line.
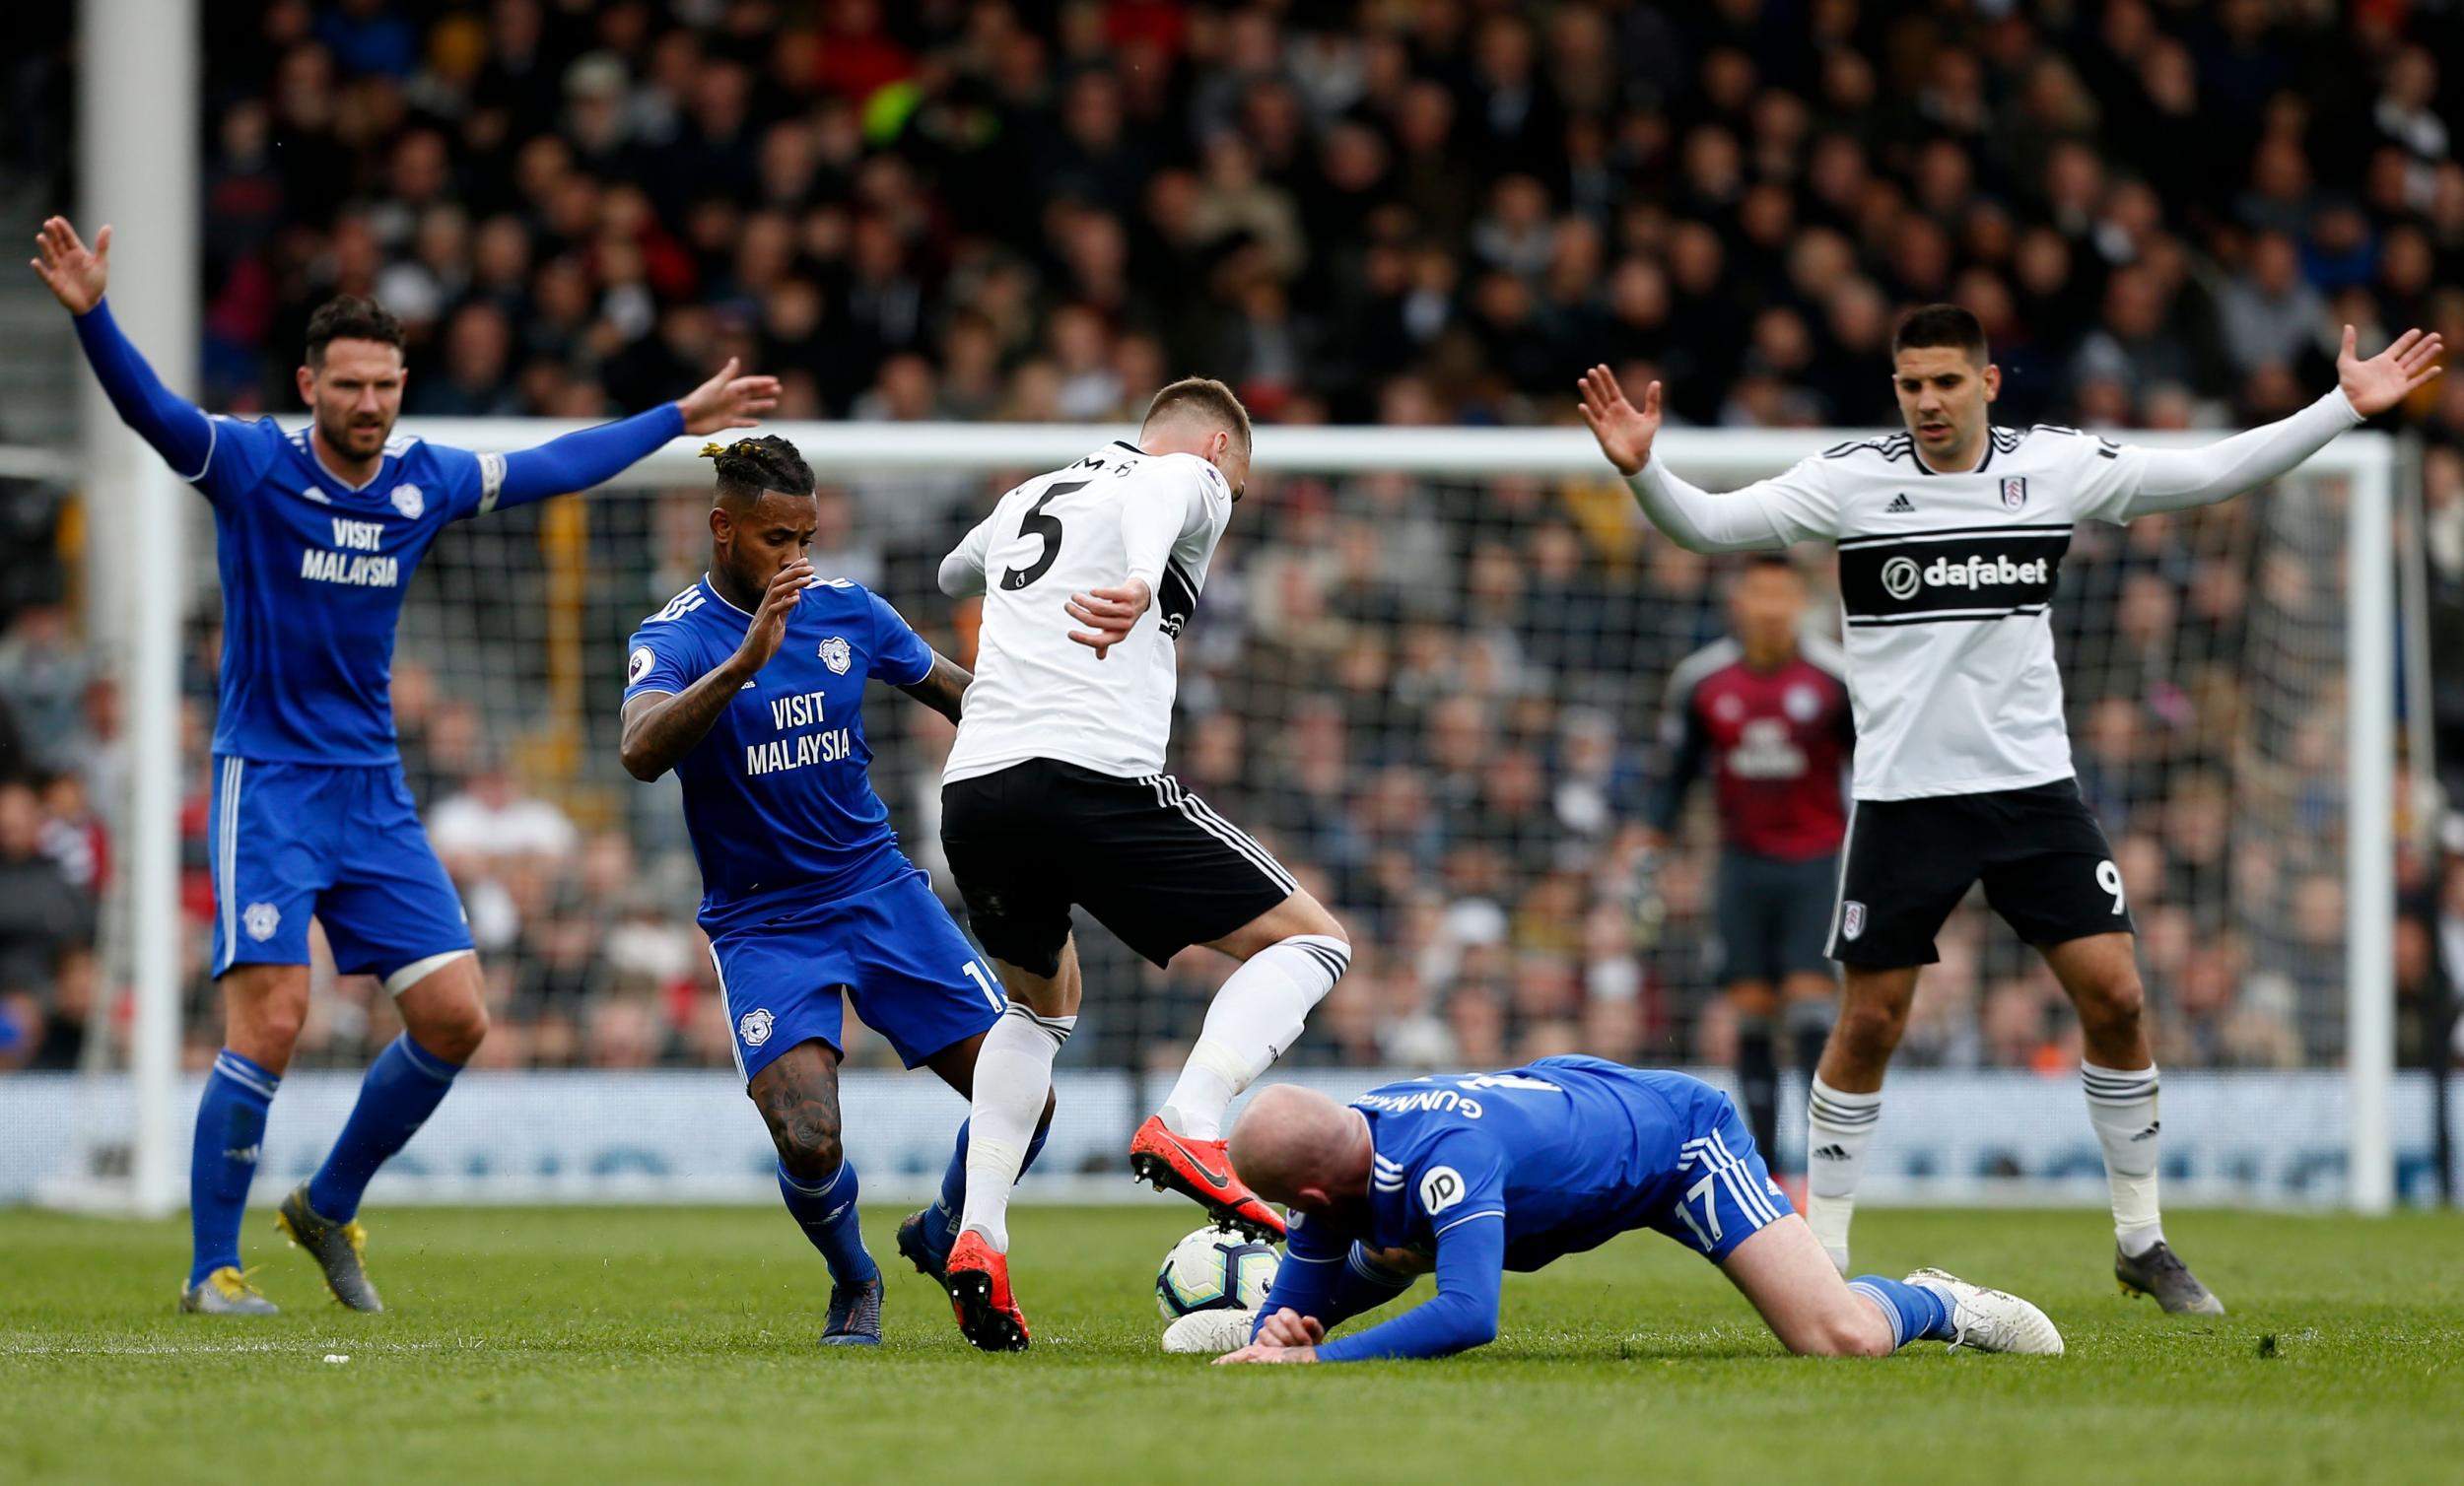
x=892, y=950
x=1724, y=1193
x=338, y=843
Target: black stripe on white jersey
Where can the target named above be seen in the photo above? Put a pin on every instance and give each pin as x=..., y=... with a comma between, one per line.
x=1960, y=575
x=1176, y=600
x=1944, y=533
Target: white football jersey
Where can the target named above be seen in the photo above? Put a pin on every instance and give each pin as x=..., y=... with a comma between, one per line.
x=1945, y=580
x=1038, y=694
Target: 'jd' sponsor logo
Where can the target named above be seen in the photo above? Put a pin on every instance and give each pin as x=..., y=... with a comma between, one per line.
x=1902, y=576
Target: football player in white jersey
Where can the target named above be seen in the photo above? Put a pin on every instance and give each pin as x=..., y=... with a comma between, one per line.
x=1950, y=536
x=1054, y=794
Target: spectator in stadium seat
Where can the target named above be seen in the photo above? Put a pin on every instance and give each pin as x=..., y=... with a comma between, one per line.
x=1321, y=193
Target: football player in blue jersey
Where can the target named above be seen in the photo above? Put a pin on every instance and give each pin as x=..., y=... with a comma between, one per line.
x=1472, y=1174
x=750, y=685
x=316, y=534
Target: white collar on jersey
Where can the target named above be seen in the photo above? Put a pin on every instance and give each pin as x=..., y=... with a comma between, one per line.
x=305, y=440
x=722, y=597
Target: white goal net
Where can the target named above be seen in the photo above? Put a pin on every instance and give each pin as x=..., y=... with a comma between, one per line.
x=1427, y=671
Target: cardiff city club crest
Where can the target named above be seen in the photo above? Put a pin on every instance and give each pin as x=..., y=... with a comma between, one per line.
x=754, y=1027
x=261, y=920
x=408, y=501
x=835, y=655
x=2013, y=492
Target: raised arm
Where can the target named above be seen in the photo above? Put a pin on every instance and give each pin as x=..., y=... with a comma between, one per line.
x=2180, y=479
x=76, y=275
x=580, y=460
x=1763, y=516
x=661, y=727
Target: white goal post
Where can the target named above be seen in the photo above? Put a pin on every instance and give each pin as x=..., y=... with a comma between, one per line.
x=2358, y=472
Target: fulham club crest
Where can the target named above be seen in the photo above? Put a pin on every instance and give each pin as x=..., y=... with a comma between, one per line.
x=2013, y=492
x=1851, y=918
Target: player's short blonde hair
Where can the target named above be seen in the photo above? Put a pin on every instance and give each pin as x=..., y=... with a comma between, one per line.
x=1205, y=399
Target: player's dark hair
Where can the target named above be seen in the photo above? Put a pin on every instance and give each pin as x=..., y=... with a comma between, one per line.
x=749, y=466
x=348, y=317
x=1941, y=325
x=1206, y=397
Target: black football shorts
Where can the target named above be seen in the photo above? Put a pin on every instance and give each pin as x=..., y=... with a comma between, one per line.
x=1155, y=863
x=2043, y=859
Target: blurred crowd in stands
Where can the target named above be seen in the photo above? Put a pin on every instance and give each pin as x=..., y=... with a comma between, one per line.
x=1406, y=212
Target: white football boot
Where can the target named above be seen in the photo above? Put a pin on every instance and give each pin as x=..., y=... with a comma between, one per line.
x=1992, y=1320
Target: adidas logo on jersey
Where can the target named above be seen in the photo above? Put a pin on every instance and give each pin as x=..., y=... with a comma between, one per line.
x=1900, y=505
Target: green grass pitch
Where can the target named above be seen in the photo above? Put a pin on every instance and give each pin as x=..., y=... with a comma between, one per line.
x=603, y=1345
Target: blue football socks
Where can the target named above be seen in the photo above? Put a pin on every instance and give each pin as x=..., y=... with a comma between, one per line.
x=1917, y=1313
x=231, y=1127
x=826, y=1211
x=402, y=1089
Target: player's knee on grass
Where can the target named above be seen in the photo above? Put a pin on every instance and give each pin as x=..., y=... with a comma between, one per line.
x=1854, y=1329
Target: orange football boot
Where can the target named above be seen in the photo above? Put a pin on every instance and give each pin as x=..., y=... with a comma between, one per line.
x=979, y=1286
x=1200, y=1171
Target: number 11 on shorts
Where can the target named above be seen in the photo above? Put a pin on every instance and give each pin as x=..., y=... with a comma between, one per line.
x=975, y=973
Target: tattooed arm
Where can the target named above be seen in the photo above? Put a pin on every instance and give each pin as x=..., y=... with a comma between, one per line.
x=661, y=727
x=943, y=687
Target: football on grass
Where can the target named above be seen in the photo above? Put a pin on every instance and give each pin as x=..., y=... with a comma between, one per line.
x=1214, y=1269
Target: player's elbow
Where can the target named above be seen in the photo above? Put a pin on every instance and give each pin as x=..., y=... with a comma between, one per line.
x=1685, y=533
x=639, y=762
x=959, y=578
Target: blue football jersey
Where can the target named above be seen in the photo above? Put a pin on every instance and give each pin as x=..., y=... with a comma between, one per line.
x=1570, y=1153
x=313, y=573
x=777, y=795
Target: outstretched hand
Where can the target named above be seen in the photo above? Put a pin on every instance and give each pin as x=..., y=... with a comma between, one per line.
x=74, y=273
x=725, y=401
x=2374, y=386
x=1624, y=431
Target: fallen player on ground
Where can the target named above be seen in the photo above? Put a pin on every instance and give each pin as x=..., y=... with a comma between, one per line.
x=1472, y=1174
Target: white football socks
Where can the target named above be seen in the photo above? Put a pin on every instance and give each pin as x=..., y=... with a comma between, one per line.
x=2122, y=1106
x=1254, y=1019
x=1838, y=1128
x=1014, y=1077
